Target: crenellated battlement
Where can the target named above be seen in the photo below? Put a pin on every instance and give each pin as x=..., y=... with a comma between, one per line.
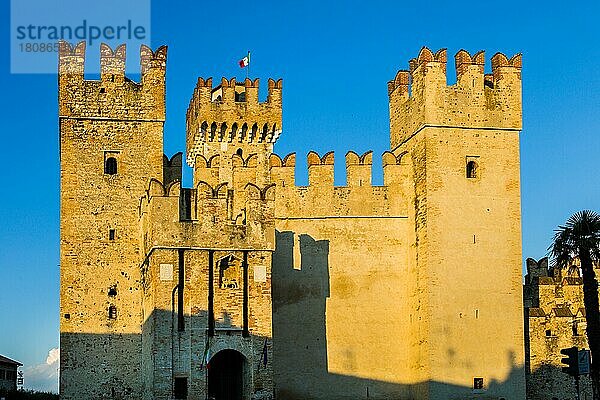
x=321, y=169
x=465, y=62
x=319, y=198
x=114, y=95
x=421, y=97
x=207, y=215
x=231, y=113
x=358, y=168
x=359, y=197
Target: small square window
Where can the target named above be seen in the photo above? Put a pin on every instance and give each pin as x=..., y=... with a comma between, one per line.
x=477, y=383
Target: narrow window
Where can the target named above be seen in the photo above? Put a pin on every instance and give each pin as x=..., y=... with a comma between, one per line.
x=471, y=170
x=574, y=327
x=111, y=234
x=185, y=204
x=112, y=292
x=476, y=313
x=110, y=166
x=239, y=152
x=181, y=388
x=112, y=312
x=478, y=383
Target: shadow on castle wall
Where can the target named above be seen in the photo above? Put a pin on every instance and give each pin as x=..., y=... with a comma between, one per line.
x=300, y=354
x=548, y=382
x=101, y=376
x=300, y=348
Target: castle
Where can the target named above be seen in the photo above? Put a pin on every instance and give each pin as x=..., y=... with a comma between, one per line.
x=410, y=290
x=554, y=320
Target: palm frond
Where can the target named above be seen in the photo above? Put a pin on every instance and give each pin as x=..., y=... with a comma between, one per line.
x=580, y=233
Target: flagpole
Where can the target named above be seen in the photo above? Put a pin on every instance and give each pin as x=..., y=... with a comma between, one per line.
x=248, y=68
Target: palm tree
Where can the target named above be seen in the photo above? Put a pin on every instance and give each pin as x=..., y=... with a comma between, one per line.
x=580, y=238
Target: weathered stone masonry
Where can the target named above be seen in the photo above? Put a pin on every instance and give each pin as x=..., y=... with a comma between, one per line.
x=317, y=291
x=554, y=320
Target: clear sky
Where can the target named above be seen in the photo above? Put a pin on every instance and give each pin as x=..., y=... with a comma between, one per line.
x=335, y=59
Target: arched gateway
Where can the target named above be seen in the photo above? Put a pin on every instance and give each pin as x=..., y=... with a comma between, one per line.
x=226, y=376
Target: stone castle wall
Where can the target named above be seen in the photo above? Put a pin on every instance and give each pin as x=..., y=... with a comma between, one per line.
x=554, y=320
x=348, y=291
x=100, y=254
x=462, y=145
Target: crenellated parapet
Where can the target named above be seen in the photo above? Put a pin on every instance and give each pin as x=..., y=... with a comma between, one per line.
x=320, y=169
x=231, y=113
x=321, y=190
x=243, y=169
x=358, y=168
x=321, y=197
x=112, y=63
x=465, y=63
x=282, y=171
x=207, y=215
x=421, y=96
x=114, y=96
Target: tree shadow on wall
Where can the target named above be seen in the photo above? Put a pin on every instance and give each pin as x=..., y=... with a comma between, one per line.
x=111, y=364
x=300, y=292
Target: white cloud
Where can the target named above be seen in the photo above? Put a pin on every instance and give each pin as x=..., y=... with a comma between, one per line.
x=53, y=356
x=44, y=376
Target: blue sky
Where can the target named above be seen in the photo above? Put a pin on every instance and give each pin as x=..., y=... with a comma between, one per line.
x=335, y=59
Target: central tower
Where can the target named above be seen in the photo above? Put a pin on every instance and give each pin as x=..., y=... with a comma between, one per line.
x=227, y=126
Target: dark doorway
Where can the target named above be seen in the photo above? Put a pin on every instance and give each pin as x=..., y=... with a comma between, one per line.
x=226, y=376
x=181, y=388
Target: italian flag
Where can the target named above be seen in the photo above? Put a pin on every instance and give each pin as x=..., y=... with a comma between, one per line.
x=206, y=355
x=244, y=62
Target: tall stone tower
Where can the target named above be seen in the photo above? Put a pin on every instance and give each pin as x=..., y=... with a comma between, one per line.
x=206, y=266
x=462, y=145
x=111, y=145
x=227, y=124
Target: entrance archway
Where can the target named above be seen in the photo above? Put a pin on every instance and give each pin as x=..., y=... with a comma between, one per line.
x=226, y=376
